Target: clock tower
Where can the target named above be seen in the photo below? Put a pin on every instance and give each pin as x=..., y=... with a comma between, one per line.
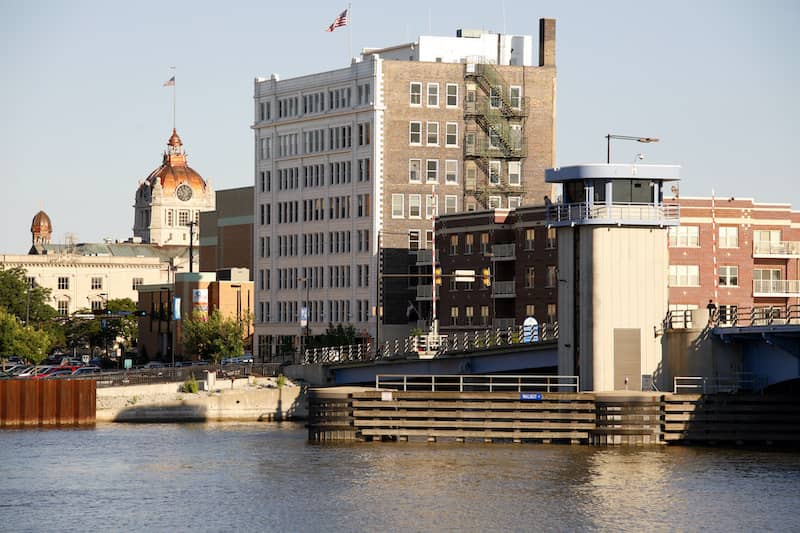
x=169, y=201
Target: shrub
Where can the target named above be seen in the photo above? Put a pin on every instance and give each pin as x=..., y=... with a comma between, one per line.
x=190, y=385
x=281, y=381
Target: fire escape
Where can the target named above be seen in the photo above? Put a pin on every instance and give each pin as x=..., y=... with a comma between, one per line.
x=494, y=132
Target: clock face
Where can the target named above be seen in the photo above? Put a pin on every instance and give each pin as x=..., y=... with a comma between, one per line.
x=184, y=192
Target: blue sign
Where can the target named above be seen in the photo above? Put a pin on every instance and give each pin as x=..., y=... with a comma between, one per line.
x=530, y=396
x=303, y=316
x=530, y=330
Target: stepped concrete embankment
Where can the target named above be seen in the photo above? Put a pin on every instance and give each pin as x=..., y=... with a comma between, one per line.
x=244, y=399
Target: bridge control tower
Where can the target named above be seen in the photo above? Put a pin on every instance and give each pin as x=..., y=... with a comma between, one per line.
x=612, y=271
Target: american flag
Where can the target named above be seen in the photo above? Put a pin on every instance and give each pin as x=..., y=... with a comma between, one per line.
x=170, y=82
x=341, y=20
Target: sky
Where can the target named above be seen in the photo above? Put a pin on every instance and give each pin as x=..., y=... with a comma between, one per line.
x=84, y=116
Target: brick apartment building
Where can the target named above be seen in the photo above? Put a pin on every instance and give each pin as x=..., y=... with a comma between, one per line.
x=741, y=255
x=351, y=164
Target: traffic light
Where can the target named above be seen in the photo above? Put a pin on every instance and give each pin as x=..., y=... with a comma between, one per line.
x=487, y=277
x=437, y=276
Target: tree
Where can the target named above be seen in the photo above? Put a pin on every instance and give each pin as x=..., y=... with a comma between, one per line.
x=124, y=329
x=214, y=337
x=24, y=341
x=28, y=304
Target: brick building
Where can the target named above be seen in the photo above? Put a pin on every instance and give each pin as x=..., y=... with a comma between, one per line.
x=226, y=233
x=351, y=165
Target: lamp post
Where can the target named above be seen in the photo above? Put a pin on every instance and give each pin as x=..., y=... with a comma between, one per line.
x=169, y=323
x=104, y=322
x=625, y=138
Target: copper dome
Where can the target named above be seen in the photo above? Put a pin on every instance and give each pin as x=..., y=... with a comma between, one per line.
x=174, y=170
x=41, y=223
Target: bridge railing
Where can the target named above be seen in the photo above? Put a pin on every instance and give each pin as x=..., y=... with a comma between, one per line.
x=478, y=383
x=770, y=315
x=741, y=381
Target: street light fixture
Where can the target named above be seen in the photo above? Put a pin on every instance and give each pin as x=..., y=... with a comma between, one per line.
x=626, y=138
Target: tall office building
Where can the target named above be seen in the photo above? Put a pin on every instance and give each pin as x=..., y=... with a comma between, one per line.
x=352, y=164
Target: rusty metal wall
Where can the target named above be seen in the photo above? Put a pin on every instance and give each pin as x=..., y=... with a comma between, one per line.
x=34, y=402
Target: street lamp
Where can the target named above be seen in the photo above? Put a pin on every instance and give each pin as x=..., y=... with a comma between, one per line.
x=625, y=138
x=104, y=322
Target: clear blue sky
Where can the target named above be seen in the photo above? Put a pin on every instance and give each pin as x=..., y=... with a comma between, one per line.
x=85, y=116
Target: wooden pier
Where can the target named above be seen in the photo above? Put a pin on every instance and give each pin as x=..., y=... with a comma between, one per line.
x=616, y=418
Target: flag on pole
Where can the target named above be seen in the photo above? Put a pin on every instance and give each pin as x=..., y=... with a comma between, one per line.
x=170, y=82
x=340, y=21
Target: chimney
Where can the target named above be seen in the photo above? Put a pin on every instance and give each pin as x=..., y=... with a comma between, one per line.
x=547, y=42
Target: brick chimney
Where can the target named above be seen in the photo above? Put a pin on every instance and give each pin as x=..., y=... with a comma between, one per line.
x=547, y=42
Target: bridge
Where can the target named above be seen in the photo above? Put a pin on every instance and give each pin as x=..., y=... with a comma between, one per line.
x=514, y=349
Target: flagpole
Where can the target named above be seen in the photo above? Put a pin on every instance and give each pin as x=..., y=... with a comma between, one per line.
x=174, y=97
x=349, y=33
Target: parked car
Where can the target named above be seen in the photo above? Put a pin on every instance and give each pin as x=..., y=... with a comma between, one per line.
x=87, y=370
x=55, y=374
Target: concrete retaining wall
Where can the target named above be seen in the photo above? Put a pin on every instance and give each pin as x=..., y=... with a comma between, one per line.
x=244, y=399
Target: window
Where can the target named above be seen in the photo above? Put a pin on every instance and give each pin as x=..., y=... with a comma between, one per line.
x=397, y=206
x=97, y=283
x=429, y=239
x=415, y=132
x=530, y=309
x=433, y=95
x=97, y=305
x=681, y=315
x=767, y=280
x=451, y=171
x=450, y=203
x=552, y=315
x=453, y=244
x=514, y=202
x=515, y=95
x=728, y=236
x=63, y=307
x=552, y=275
x=684, y=276
x=135, y=282
x=529, y=276
x=514, y=173
x=431, y=208
x=183, y=217
x=484, y=315
x=30, y=282
x=469, y=312
x=432, y=171
x=433, y=133
x=550, y=244
x=484, y=243
x=469, y=240
x=451, y=134
x=728, y=276
x=530, y=239
x=684, y=237
x=413, y=240
x=415, y=91
x=414, y=206
x=728, y=314
x=414, y=169
x=494, y=97
x=495, y=202
x=454, y=315
x=452, y=95
x=63, y=282
x=494, y=172
x=170, y=217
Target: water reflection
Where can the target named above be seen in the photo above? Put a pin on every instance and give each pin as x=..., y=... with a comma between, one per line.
x=220, y=477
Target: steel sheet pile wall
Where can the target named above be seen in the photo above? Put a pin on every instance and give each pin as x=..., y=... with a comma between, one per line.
x=34, y=402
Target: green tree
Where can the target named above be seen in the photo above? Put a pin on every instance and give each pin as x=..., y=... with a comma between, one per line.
x=24, y=341
x=124, y=329
x=214, y=337
x=25, y=303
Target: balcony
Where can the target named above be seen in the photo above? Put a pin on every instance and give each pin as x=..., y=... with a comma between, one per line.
x=602, y=214
x=504, y=289
x=424, y=257
x=777, y=249
x=424, y=293
x=504, y=252
x=780, y=288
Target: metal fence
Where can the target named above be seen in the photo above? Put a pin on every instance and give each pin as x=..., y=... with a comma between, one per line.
x=478, y=383
x=741, y=382
x=145, y=376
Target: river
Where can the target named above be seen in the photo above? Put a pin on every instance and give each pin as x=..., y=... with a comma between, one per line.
x=266, y=477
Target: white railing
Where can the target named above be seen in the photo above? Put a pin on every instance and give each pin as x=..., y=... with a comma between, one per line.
x=742, y=381
x=504, y=288
x=776, y=286
x=779, y=248
x=478, y=383
x=584, y=212
x=503, y=251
